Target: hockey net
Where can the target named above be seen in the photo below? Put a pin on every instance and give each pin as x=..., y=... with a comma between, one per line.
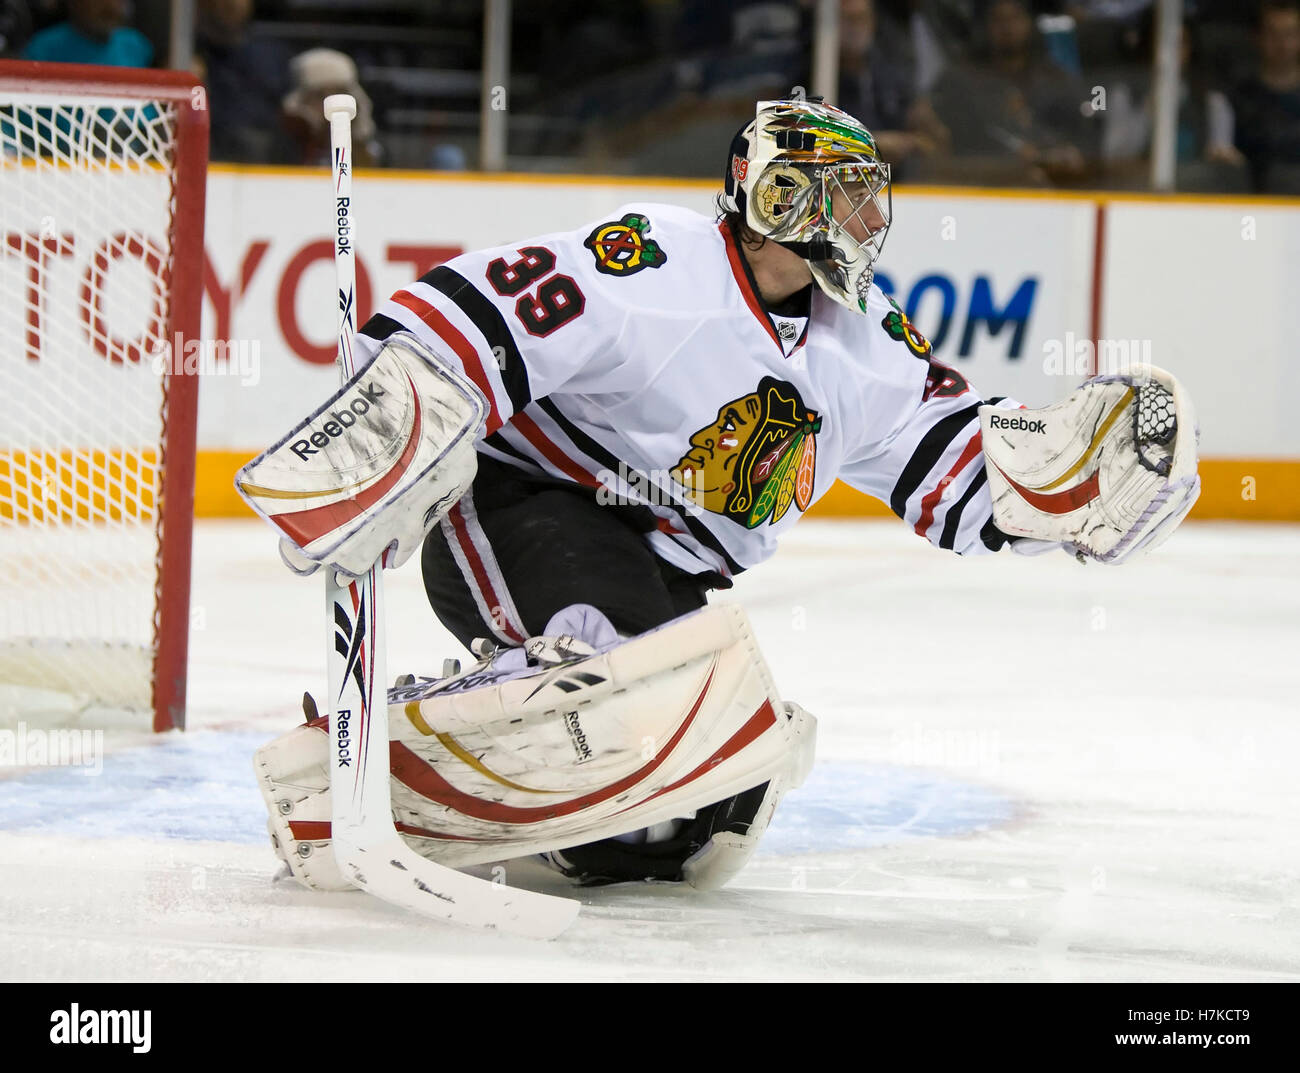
x=102, y=177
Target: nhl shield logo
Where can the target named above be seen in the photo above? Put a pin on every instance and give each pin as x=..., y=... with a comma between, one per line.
x=622, y=249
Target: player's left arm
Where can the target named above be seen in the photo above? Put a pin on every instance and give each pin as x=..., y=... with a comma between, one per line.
x=1107, y=472
x=925, y=459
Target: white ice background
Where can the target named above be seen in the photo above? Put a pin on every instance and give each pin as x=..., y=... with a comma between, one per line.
x=1027, y=770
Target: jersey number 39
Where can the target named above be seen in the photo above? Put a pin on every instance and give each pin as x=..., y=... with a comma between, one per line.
x=554, y=303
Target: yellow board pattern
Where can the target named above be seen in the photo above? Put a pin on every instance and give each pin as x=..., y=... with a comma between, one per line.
x=84, y=485
x=1261, y=490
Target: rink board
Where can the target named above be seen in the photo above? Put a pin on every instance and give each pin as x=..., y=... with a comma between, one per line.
x=1026, y=293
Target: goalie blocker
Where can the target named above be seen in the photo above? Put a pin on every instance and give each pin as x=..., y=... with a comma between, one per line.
x=370, y=472
x=558, y=746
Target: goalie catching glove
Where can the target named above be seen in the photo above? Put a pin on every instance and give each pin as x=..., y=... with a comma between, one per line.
x=559, y=748
x=1106, y=473
x=370, y=472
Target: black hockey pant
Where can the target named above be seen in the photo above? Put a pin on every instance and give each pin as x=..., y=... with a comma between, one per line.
x=515, y=550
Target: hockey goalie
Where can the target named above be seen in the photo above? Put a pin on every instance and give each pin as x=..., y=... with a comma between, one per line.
x=587, y=432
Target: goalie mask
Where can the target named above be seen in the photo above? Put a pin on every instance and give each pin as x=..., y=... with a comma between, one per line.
x=809, y=177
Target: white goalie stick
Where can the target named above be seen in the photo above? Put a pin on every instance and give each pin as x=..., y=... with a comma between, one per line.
x=369, y=851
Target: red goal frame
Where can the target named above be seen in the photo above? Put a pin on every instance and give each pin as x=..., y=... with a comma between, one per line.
x=184, y=280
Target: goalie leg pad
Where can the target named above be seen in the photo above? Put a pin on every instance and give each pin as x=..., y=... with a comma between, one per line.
x=293, y=774
x=707, y=851
x=495, y=763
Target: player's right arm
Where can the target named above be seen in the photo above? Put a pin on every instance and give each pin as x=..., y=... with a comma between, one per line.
x=445, y=363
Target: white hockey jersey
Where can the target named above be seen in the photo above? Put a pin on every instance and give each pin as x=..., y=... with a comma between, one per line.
x=635, y=357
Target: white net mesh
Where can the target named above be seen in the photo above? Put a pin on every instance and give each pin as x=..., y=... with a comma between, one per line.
x=87, y=197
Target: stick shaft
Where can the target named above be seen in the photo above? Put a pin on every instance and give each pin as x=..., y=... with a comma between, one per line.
x=355, y=642
x=345, y=268
x=366, y=845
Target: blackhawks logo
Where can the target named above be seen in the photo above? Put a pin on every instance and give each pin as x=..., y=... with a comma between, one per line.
x=757, y=458
x=777, y=190
x=621, y=249
x=940, y=380
x=898, y=326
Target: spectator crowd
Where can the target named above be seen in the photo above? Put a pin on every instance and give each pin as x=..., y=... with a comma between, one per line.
x=1056, y=93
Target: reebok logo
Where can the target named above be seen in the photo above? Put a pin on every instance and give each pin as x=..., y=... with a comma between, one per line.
x=577, y=737
x=337, y=422
x=1018, y=423
x=345, y=737
x=343, y=231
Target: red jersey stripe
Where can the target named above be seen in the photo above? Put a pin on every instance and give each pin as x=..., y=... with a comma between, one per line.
x=481, y=578
x=932, y=499
x=742, y=281
x=463, y=348
x=530, y=430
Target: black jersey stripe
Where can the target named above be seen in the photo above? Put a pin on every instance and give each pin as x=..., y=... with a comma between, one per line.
x=723, y=582
x=381, y=327
x=663, y=496
x=953, y=520
x=488, y=320
x=927, y=454
x=500, y=443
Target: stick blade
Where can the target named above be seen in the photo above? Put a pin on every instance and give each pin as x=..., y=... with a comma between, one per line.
x=392, y=871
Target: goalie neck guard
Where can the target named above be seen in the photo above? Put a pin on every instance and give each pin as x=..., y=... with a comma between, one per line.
x=806, y=175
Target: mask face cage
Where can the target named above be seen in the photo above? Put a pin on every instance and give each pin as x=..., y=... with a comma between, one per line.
x=857, y=198
x=853, y=215
x=809, y=177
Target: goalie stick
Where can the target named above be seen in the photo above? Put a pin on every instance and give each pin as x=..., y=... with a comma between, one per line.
x=369, y=851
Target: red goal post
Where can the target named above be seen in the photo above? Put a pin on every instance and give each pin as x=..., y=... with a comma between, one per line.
x=102, y=179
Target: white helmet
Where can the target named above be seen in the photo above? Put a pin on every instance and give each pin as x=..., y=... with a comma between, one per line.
x=795, y=163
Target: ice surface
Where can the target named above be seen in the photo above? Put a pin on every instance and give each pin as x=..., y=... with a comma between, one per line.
x=1027, y=769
